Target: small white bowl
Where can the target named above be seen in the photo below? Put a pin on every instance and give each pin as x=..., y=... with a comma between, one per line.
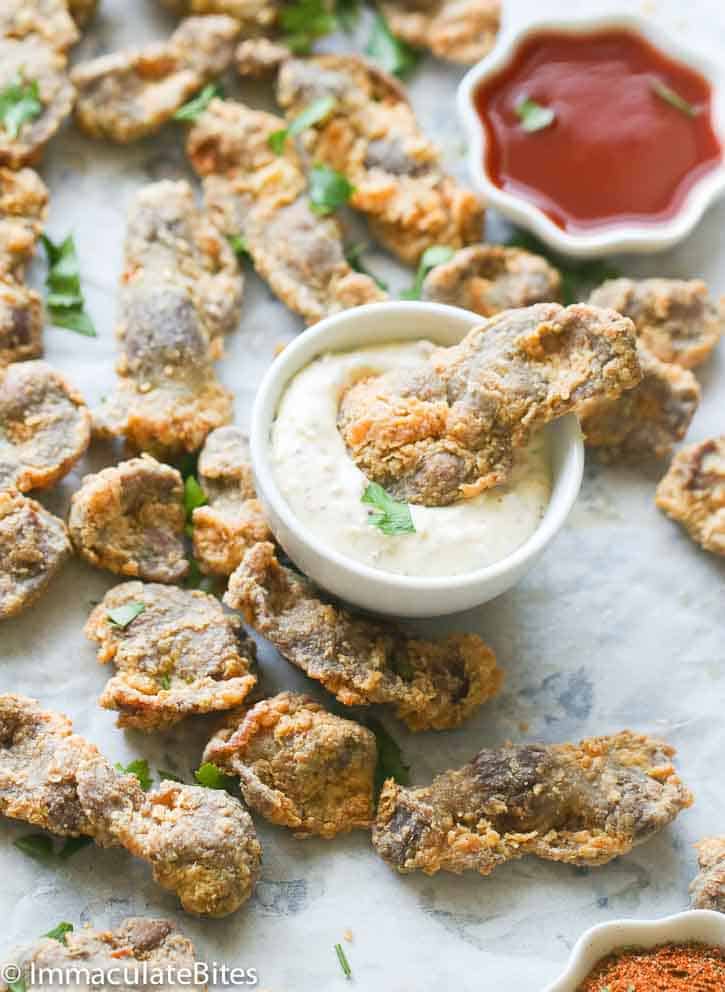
x=700, y=925
x=623, y=237
x=372, y=588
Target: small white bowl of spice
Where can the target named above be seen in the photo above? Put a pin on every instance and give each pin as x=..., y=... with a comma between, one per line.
x=686, y=951
x=349, y=535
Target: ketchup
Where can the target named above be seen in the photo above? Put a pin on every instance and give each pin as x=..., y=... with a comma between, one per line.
x=617, y=148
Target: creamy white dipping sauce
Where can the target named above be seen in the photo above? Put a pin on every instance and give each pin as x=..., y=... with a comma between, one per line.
x=323, y=486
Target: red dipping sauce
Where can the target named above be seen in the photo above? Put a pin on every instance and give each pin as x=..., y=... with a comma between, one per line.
x=617, y=150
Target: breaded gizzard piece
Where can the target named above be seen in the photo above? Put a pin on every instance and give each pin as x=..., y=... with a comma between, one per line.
x=232, y=519
x=646, y=421
x=135, y=943
x=675, y=318
x=200, y=843
x=254, y=16
x=708, y=887
x=180, y=293
x=448, y=429
x=457, y=30
x=372, y=137
x=299, y=765
x=49, y=21
x=127, y=95
x=432, y=685
x=582, y=804
x=181, y=655
x=253, y=193
x=33, y=546
x=129, y=519
x=45, y=426
x=693, y=493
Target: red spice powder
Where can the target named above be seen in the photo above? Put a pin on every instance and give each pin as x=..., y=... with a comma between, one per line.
x=688, y=967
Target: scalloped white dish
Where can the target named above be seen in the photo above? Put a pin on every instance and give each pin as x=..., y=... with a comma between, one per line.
x=607, y=238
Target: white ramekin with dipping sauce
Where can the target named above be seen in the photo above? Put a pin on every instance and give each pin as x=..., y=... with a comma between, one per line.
x=696, y=925
x=649, y=236
x=364, y=586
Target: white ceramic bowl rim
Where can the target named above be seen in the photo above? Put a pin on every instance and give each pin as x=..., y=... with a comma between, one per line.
x=607, y=238
x=259, y=445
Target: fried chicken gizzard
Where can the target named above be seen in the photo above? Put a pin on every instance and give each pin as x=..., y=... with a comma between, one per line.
x=693, y=493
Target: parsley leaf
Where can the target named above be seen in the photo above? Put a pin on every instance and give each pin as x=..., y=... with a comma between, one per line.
x=58, y=933
x=328, y=190
x=394, y=55
x=389, y=516
x=390, y=757
x=435, y=255
x=19, y=103
x=72, y=845
x=165, y=681
x=344, y=963
x=353, y=254
x=239, y=246
x=18, y=986
x=212, y=777
x=193, y=495
x=304, y=21
x=139, y=768
x=195, y=107
x=666, y=93
x=37, y=846
x=65, y=297
x=195, y=579
x=317, y=111
x=533, y=116
x=121, y=616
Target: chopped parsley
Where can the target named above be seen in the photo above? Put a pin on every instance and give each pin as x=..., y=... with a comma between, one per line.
x=139, y=768
x=193, y=110
x=121, y=616
x=534, y=116
x=18, y=986
x=353, y=254
x=58, y=933
x=303, y=22
x=193, y=498
x=390, y=757
x=65, y=300
x=389, y=516
x=72, y=845
x=165, y=681
x=328, y=189
x=212, y=777
x=19, y=103
x=394, y=55
x=435, y=255
x=195, y=578
x=239, y=245
x=40, y=847
x=344, y=963
x=666, y=93
x=317, y=111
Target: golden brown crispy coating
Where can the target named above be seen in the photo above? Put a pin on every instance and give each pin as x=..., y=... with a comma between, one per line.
x=693, y=493
x=582, y=804
x=262, y=197
x=708, y=887
x=299, y=765
x=373, y=138
x=448, y=429
x=129, y=518
x=46, y=426
x=645, y=421
x=138, y=941
x=33, y=546
x=200, y=843
x=433, y=685
x=48, y=20
x=82, y=11
x=457, y=30
x=255, y=16
x=179, y=657
x=675, y=318
x=490, y=278
x=127, y=95
x=232, y=519
x=260, y=58
x=180, y=293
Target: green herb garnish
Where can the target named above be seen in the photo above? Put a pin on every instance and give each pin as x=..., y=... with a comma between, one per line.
x=328, y=189
x=72, y=845
x=195, y=579
x=195, y=107
x=212, y=777
x=193, y=495
x=435, y=255
x=666, y=93
x=37, y=846
x=353, y=254
x=389, y=516
x=139, y=768
x=171, y=776
x=317, y=111
x=348, y=14
x=239, y=245
x=304, y=21
x=121, y=616
x=394, y=55
x=533, y=116
x=344, y=963
x=65, y=297
x=19, y=103
x=165, y=681
x=58, y=933
x=390, y=757
x=18, y=986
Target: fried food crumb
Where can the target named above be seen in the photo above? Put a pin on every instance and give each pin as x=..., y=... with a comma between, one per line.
x=693, y=493
x=300, y=766
x=433, y=685
x=708, y=887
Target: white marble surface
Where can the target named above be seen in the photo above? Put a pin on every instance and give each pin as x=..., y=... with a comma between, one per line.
x=620, y=625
